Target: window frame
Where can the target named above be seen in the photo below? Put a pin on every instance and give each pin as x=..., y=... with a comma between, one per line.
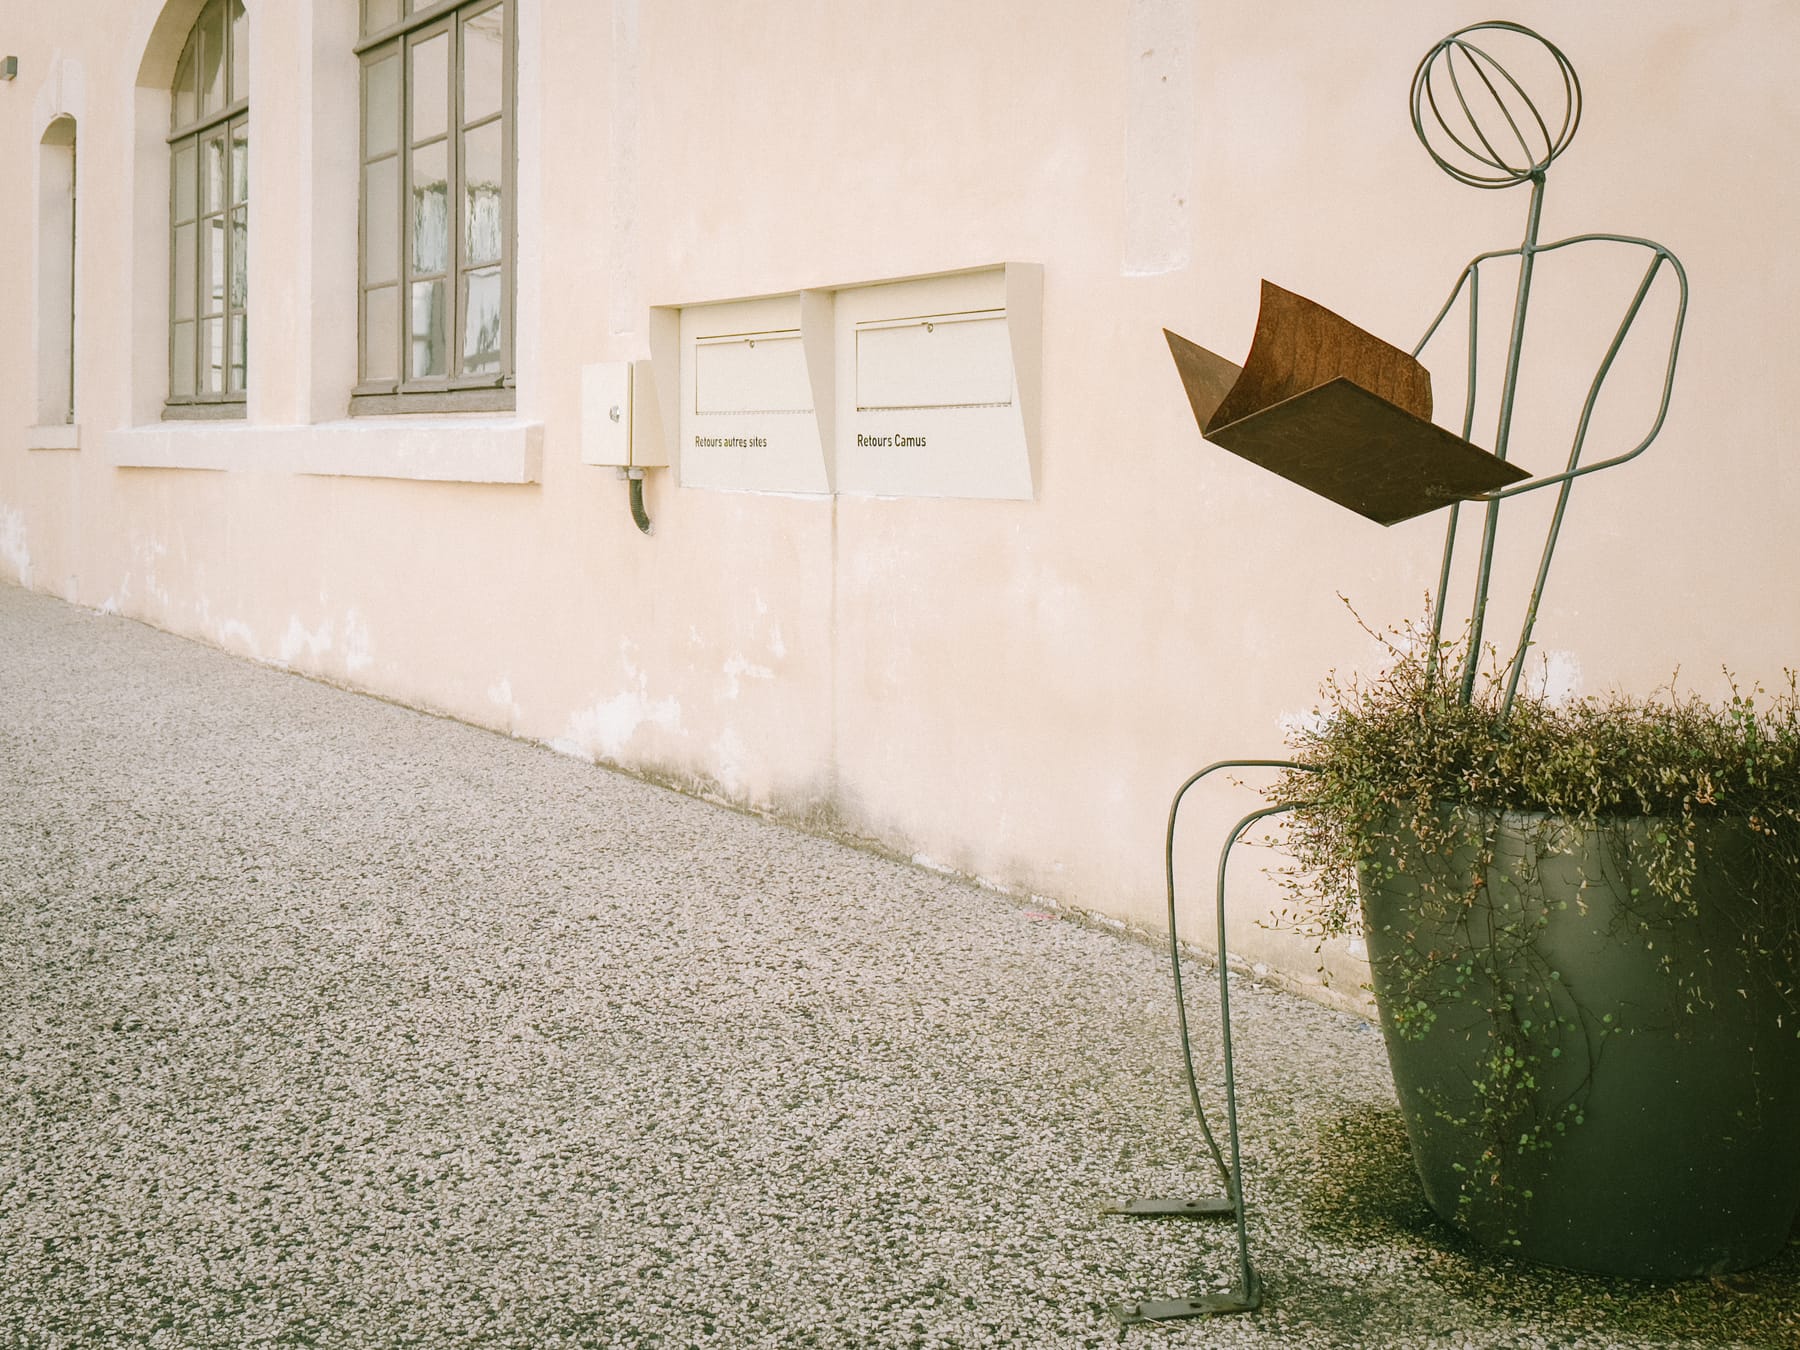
x=455, y=390
x=224, y=123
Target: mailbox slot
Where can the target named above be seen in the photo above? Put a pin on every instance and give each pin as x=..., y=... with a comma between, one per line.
x=934, y=361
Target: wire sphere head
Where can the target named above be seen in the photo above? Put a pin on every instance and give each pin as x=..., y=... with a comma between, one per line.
x=1494, y=103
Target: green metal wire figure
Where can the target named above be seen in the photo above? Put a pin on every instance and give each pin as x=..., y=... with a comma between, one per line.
x=1475, y=118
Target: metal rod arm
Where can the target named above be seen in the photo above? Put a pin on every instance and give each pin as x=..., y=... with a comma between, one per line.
x=1516, y=666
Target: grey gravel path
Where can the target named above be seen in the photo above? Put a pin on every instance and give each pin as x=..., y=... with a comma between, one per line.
x=327, y=1023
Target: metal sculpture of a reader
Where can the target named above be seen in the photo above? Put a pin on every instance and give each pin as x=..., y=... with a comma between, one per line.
x=1343, y=414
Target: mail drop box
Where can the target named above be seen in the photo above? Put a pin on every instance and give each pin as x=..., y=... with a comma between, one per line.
x=937, y=379
x=755, y=405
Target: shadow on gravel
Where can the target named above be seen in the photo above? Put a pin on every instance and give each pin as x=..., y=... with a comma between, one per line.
x=1370, y=1198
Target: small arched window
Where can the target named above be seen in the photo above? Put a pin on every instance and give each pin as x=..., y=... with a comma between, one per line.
x=56, y=274
x=209, y=215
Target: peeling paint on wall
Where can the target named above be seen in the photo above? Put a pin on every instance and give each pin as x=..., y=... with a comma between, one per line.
x=500, y=694
x=234, y=635
x=359, y=649
x=738, y=666
x=146, y=553
x=729, y=757
x=298, y=638
x=605, y=729
x=13, y=553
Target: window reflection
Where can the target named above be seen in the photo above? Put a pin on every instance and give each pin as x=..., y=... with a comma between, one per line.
x=482, y=48
x=431, y=88
x=428, y=329
x=430, y=210
x=212, y=58
x=483, y=220
x=481, y=326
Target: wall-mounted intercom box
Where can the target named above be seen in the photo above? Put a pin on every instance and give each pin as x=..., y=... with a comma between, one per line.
x=938, y=382
x=621, y=420
x=754, y=391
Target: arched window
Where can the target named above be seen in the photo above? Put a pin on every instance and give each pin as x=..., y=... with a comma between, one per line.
x=56, y=274
x=209, y=206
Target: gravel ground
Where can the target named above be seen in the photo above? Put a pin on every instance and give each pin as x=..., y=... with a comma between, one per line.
x=328, y=1023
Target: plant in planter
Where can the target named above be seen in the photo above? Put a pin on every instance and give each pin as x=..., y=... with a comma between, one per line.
x=1583, y=926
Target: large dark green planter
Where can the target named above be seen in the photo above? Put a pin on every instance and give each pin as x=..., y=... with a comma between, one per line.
x=1679, y=1148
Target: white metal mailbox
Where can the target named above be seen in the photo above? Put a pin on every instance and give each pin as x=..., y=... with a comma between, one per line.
x=755, y=406
x=937, y=384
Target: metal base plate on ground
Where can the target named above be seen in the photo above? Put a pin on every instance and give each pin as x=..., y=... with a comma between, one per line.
x=1233, y=1300
x=1208, y=1206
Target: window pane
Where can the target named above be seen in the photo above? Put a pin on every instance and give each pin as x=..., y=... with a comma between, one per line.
x=481, y=322
x=381, y=102
x=240, y=255
x=240, y=52
x=182, y=302
x=381, y=334
x=240, y=162
x=431, y=88
x=212, y=356
x=181, y=361
x=212, y=174
x=483, y=218
x=482, y=46
x=185, y=108
x=381, y=222
x=427, y=328
x=379, y=14
x=212, y=265
x=430, y=209
x=212, y=57
x=182, y=190
x=239, y=351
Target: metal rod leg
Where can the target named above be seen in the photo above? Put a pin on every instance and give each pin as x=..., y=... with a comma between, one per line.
x=1247, y=1277
x=1246, y=1294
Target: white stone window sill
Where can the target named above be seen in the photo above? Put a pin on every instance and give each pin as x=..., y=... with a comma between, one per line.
x=53, y=436
x=448, y=449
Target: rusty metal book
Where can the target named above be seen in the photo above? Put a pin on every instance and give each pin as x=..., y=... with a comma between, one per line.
x=1332, y=407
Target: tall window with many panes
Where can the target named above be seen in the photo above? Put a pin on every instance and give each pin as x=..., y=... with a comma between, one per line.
x=437, y=165
x=209, y=216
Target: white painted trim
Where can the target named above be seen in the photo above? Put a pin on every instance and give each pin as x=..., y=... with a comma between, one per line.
x=432, y=449
x=62, y=94
x=55, y=436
